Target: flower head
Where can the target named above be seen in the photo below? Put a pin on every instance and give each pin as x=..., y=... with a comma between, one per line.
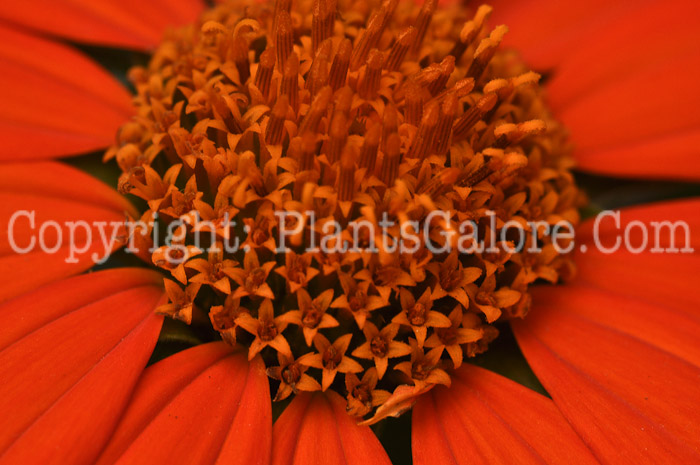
x=346, y=115
x=306, y=132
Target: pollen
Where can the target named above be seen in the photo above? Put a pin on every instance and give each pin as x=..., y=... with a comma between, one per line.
x=268, y=122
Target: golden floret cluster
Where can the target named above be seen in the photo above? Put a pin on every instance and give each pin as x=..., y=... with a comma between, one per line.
x=345, y=112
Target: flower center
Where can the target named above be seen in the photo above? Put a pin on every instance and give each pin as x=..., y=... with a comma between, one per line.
x=379, y=346
x=416, y=314
x=256, y=279
x=291, y=374
x=260, y=236
x=175, y=255
x=448, y=336
x=267, y=331
x=332, y=358
x=450, y=279
x=485, y=298
x=421, y=370
x=312, y=317
x=344, y=147
x=357, y=301
x=363, y=394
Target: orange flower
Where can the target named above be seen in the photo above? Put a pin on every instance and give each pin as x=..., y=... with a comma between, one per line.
x=453, y=337
x=292, y=377
x=423, y=370
x=489, y=301
x=362, y=395
x=357, y=299
x=181, y=302
x=215, y=271
x=297, y=270
x=380, y=346
x=418, y=314
x=616, y=348
x=331, y=358
x=311, y=315
x=260, y=231
x=267, y=330
x=173, y=257
x=452, y=278
x=223, y=318
x=252, y=278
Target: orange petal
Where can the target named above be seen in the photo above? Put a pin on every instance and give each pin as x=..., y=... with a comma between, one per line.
x=622, y=79
x=544, y=31
x=630, y=401
x=685, y=210
x=659, y=278
x=58, y=102
x=54, y=192
x=51, y=301
x=617, y=349
x=641, y=159
x=486, y=418
x=621, y=34
x=157, y=387
x=76, y=366
x=315, y=429
x=646, y=36
x=652, y=109
x=204, y=405
x=653, y=297
x=121, y=23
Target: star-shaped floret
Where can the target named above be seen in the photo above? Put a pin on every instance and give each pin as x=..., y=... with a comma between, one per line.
x=292, y=377
x=252, y=278
x=451, y=279
x=311, y=315
x=223, y=318
x=419, y=315
x=424, y=369
x=489, y=301
x=452, y=338
x=331, y=358
x=358, y=299
x=362, y=394
x=180, y=302
x=267, y=330
x=380, y=346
